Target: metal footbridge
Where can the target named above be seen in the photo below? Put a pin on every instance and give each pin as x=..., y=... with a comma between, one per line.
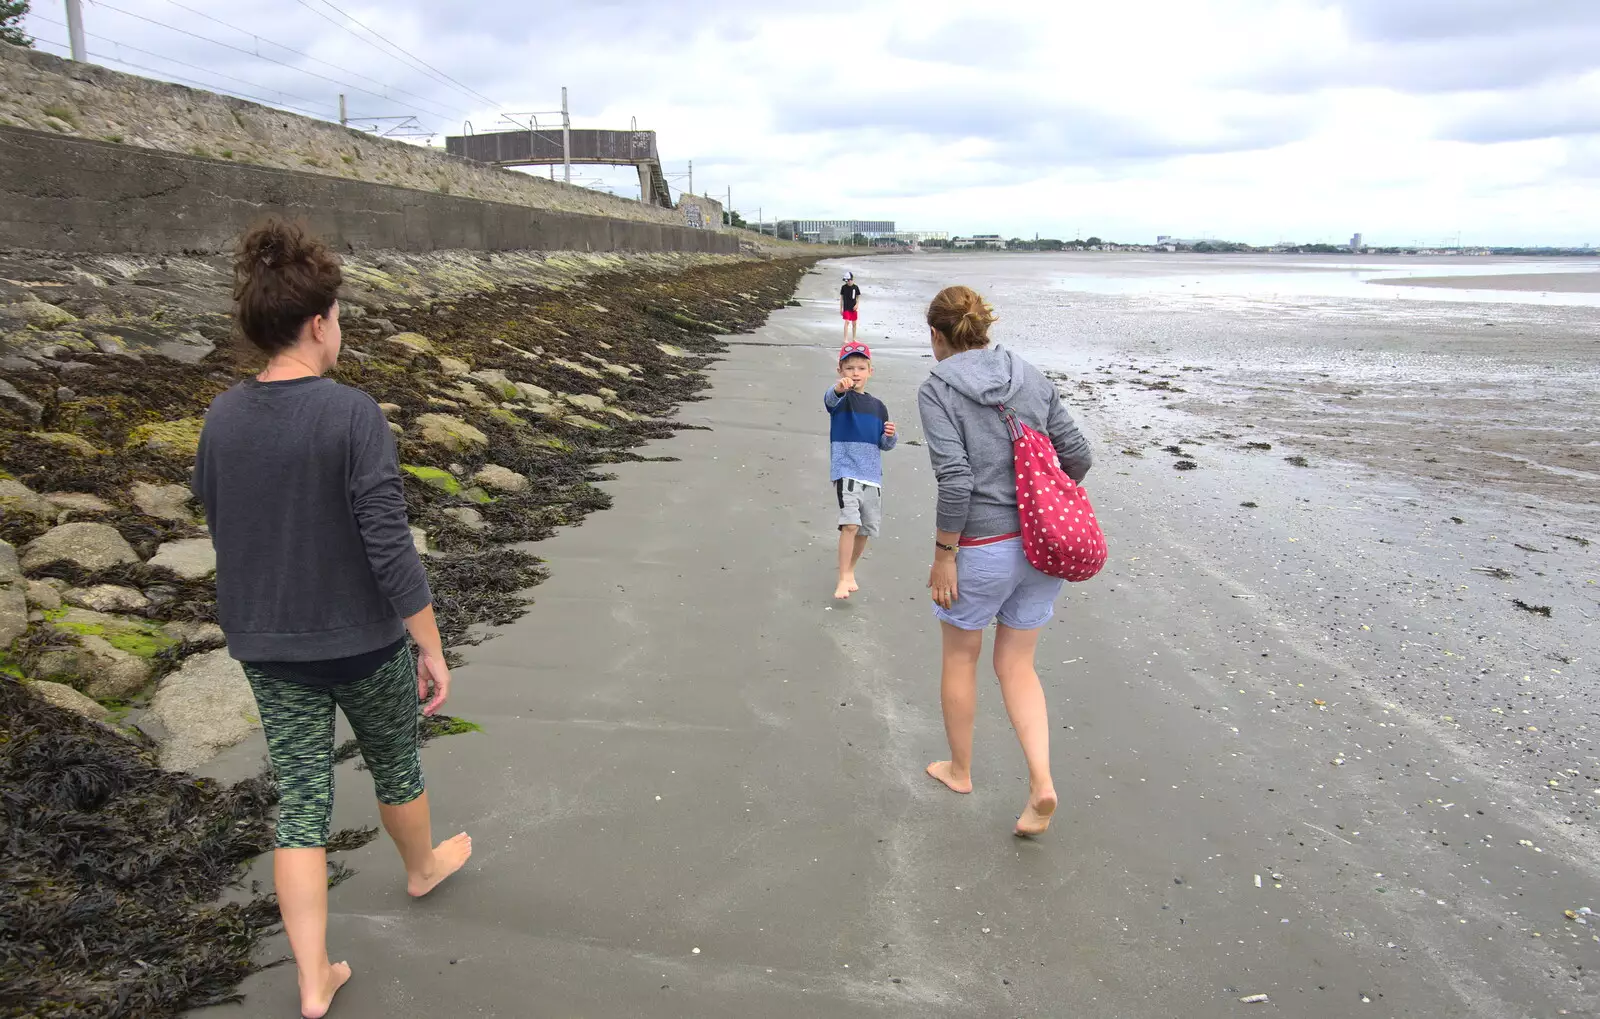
x=556, y=146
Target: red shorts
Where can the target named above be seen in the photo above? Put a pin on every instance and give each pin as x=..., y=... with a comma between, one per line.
x=849, y=316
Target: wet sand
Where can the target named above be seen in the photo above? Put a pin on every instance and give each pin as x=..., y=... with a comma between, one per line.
x=699, y=788
x=1545, y=282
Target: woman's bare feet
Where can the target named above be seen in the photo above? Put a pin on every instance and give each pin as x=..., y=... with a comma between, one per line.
x=1036, y=818
x=314, y=1000
x=448, y=856
x=847, y=587
x=945, y=771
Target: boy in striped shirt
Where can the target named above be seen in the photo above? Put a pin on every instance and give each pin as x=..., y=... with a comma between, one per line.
x=859, y=433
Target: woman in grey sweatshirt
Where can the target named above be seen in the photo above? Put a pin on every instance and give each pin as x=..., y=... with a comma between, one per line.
x=980, y=572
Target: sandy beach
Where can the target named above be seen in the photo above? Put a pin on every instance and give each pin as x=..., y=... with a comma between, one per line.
x=1532, y=282
x=699, y=787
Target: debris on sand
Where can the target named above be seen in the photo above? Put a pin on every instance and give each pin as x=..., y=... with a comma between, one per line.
x=1184, y=465
x=1297, y=460
x=1497, y=572
x=1249, y=505
x=1538, y=610
x=1254, y=999
x=1583, y=542
x=1258, y=445
x=1530, y=548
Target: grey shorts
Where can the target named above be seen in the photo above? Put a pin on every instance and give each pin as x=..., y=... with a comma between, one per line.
x=860, y=505
x=997, y=581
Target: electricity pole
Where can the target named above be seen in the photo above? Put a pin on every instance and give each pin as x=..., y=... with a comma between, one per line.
x=80, y=52
x=566, y=137
x=691, y=176
x=344, y=121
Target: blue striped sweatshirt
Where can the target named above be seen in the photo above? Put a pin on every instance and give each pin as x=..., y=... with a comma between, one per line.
x=855, y=436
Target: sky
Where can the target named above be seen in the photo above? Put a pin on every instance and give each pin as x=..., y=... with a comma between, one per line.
x=1410, y=121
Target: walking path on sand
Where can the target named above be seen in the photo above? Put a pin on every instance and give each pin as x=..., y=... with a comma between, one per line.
x=699, y=789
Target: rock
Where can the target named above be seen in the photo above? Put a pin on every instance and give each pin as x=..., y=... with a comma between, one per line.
x=79, y=502
x=205, y=708
x=40, y=315
x=469, y=518
x=672, y=351
x=389, y=409
x=618, y=412
x=15, y=497
x=13, y=614
x=170, y=438
x=42, y=596
x=533, y=394
x=189, y=558
x=395, y=428
x=581, y=369
x=453, y=366
x=419, y=539
x=90, y=547
x=579, y=421
x=502, y=479
x=451, y=433
x=584, y=401
x=67, y=441
x=433, y=477
x=10, y=568
x=164, y=502
x=194, y=632
x=64, y=696
x=102, y=671
x=462, y=393
x=108, y=598
x=411, y=344
x=496, y=383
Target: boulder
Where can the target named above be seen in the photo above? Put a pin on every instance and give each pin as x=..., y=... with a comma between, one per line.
x=15, y=497
x=433, y=477
x=502, y=479
x=672, y=351
x=453, y=366
x=90, y=547
x=467, y=517
x=533, y=394
x=390, y=409
x=66, y=440
x=25, y=407
x=581, y=369
x=583, y=401
x=64, y=696
x=462, y=393
x=411, y=344
x=78, y=502
x=451, y=433
x=496, y=383
x=42, y=596
x=10, y=568
x=101, y=670
x=164, y=502
x=13, y=614
x=39, y=314
x=189, y=558
x=205, y=708
x=195, y=632
x=180, y=438
x=419, y=539
x=108, y=598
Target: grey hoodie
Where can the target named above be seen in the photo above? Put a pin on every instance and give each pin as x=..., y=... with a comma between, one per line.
x=970, y=445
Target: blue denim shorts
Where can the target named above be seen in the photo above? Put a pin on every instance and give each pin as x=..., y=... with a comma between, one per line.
x=997, y=581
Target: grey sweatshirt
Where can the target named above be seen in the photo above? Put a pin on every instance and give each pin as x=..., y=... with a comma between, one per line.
x=970, y=445
x=304, y=502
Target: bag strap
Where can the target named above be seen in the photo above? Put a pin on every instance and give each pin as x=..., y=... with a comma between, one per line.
x=1010, y=417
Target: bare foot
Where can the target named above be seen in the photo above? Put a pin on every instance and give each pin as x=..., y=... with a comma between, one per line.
x=854, y=587
x=1035, y=820
x=944, y=771
x=314, y=1001
x=846, y=586
x=448, y=856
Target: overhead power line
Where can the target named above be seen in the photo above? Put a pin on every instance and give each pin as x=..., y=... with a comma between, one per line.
x=404, y=53
x=290, y=49
x=258, y=56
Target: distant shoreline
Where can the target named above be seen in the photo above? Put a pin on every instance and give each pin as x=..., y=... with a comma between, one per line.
x=1535, y=282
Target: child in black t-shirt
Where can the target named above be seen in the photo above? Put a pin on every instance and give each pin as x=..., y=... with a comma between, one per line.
x=849, y=301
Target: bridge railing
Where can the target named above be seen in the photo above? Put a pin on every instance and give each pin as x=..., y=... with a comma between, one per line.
x=544, y=146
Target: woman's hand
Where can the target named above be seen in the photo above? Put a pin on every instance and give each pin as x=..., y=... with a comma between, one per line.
x=942, y=582
x=433, y=678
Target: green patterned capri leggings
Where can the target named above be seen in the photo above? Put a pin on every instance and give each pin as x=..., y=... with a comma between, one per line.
x=298, y=720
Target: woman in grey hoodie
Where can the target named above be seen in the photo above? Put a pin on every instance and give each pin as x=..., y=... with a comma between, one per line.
x=980, y=572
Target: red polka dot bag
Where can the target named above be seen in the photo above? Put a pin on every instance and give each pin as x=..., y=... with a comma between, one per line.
x=1059, y=531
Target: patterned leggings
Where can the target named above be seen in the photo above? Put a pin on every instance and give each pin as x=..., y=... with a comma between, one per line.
x=298, y=721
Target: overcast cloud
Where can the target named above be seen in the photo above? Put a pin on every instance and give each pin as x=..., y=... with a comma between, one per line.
x=1258, y=120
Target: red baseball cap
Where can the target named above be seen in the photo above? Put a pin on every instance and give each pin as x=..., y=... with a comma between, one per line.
x=855, y=347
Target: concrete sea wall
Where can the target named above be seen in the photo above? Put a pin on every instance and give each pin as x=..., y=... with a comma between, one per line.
x=74, y=195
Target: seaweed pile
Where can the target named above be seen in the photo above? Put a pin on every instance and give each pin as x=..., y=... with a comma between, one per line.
x=508, y=388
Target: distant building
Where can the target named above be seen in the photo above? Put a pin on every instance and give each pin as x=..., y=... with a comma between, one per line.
x=832, y=231
x=1355, y=243
x=979, y=241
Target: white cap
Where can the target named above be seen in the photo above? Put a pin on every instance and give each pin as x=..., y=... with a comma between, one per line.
x=849, y=276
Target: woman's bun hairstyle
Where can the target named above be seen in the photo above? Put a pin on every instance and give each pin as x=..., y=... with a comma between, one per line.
x=282, y=276
x=962, y=317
